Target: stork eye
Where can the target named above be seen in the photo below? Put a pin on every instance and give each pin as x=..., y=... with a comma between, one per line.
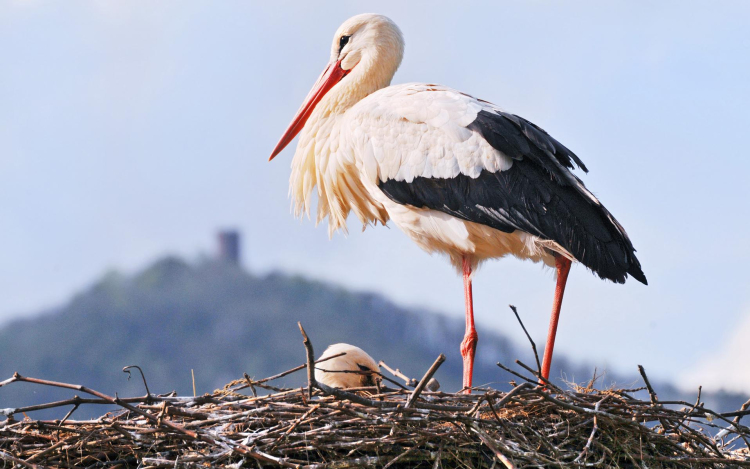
x=342, y=42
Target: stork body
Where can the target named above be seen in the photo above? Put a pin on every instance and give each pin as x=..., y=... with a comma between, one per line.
x=457, y=174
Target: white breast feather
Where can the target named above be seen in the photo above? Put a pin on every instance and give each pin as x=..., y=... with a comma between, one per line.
x=400, y=132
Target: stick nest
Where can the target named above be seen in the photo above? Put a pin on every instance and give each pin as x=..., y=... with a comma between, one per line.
x=530, y=426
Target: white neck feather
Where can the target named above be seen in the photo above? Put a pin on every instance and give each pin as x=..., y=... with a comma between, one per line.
x=321, y=160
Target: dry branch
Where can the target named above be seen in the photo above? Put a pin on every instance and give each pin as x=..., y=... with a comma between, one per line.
x=325, y=428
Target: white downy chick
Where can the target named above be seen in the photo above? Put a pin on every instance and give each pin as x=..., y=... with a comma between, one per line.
x=353, y=370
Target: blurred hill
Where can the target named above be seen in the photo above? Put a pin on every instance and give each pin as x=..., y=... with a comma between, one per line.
x=220, y=321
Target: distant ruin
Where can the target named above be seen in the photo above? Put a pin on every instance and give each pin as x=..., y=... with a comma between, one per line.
x=229, y=246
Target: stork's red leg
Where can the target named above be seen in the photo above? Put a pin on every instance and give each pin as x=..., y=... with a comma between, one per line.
x=563, y=267
x=469, y=344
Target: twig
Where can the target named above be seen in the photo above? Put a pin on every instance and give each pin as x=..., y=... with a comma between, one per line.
x=743, y=411
x=13, y=459
x=250, y=384
x=535, y=373
x=436, y=465
x=736, y=413
x=126, y=369
x=515, y=373
x=81, y=400
x=50, y=449
x=311, y=382
x=501, y=402
x=590, y=386
x=297, y=368
x=405, y=453
x=690, y=410
x=587, y=448
x=491, y=445
x=533, y=345
x=654, y=399
x=398, y=374
x=651, y=392
x=392, y=381
x=423, y=382
x=70, y=412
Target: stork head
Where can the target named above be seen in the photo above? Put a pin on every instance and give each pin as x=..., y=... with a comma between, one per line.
x=365, y=53
x=372, y=41
x=352, y=370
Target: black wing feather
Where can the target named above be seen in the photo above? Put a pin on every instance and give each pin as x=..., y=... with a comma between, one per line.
x=538, y=195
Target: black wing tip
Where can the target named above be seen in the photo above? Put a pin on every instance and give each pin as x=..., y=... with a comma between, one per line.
x=583, y=166
x=621, y=277
x=572, y=156
x=636, y=272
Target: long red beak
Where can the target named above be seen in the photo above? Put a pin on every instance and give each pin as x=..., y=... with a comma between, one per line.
x=330, y=76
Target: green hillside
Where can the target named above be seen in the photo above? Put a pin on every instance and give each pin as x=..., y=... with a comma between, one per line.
x=221, y=321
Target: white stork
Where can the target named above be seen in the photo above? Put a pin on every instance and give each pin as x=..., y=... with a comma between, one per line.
x=457, y=174
x=353, y=370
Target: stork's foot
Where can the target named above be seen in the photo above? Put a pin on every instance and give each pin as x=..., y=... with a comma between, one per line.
x=468, y=350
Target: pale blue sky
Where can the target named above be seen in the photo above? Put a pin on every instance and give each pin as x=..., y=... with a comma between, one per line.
x=133, y=129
